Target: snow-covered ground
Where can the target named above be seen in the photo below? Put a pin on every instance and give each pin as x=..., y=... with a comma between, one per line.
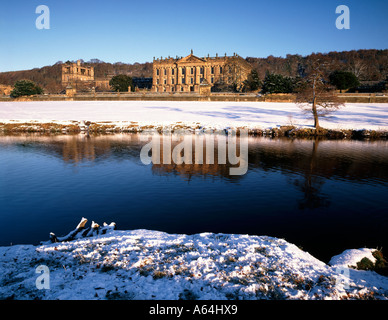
x=260, y=115
x=143, y=265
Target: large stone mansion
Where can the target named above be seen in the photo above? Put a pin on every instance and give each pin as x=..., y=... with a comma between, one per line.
x=188, y=74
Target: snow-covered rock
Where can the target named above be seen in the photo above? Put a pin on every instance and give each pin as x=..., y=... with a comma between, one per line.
x=143, y=264
x=350, y=257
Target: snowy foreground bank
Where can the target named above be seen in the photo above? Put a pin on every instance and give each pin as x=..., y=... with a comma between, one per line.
x=213, y=115
x=144, y=265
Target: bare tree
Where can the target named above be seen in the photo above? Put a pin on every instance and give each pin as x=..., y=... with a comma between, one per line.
x=358, y=67
x=315, y=94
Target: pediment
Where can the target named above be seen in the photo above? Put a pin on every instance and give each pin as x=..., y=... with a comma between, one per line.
x=191, y=58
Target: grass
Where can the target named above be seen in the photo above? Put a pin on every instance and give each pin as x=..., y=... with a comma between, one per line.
x=105, y=128
x=188, y=295
x=380, y=266
x=39, y=127
x=160, y=274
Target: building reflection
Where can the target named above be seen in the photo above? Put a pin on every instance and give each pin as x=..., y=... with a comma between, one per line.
x=307, y=164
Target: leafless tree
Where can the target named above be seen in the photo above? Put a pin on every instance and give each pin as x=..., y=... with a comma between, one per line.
x=358, y=67
x=315, y=94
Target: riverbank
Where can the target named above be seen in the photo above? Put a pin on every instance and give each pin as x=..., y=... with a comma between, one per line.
x=345, y=97
x=145, y=265
x=75, y=127
x=356, y=121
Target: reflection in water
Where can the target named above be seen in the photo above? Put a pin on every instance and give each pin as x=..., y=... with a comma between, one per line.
x=314, y=159
x=311, y=185
x=301, y=190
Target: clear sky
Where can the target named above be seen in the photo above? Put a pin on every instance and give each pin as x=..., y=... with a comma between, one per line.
x=136, y=31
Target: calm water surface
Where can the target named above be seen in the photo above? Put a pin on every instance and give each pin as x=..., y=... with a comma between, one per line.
x=324, y=196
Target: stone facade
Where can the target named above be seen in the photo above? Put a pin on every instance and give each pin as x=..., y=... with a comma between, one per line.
x=5, y=89
x=75, y=73
x=186, y=74
x=102, y=84
x=70, y=91
x=81, y=77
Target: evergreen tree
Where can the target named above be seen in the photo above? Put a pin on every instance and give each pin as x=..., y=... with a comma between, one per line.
x=276, y=83
x=25, y=88
x=343, y=80
x=253, y=82
x=121, y=83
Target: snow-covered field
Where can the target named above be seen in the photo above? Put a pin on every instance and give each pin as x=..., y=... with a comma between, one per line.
x=145, y=265
x=260, y=115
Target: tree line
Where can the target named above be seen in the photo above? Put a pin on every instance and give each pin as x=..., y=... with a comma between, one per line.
x=362, y=70
x=277, y=83
x=50, y=77
x=367, y=65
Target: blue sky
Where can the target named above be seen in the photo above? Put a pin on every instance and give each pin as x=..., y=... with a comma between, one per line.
x=136, y=31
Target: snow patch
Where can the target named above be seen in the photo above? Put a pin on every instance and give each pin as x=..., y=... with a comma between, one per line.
x=255, y=115
x=349, y=258
x=145, y=265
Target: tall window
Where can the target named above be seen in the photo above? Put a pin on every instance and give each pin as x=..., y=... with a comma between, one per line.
x=191, y=80
x=172, y=71
x=183, y=71
x=165, y=72
x=201, y=70
x=157, y=72
x=220, y=69
x=192, y=70
x=212, y=70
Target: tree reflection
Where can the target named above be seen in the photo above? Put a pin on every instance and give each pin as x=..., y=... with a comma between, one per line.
x=306, y=169
x=311, y=185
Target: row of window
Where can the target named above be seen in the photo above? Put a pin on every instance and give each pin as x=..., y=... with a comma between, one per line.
x=164, y=89
x=79, y=71
x=80, y=78
x=191, y=71
x=183, y=81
